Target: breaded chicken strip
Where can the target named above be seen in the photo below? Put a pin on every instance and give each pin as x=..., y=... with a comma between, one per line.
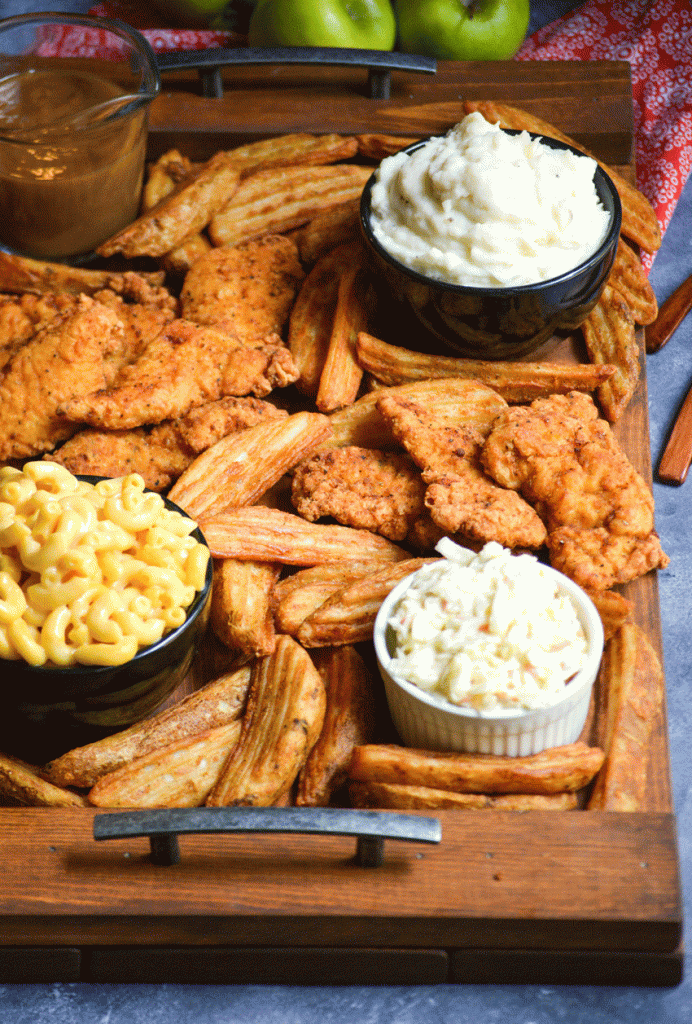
x=183, y=367
x=246, y=290
x=566, y=461
x=142, y=323
x=159, y=455
x=371, y=490
x=21, y=316
x=460, y=497
x=208, y=423
x=62, y=362
x=162, y=453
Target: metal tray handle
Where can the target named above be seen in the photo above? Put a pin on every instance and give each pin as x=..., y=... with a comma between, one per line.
x=370, y=828
x=379, y=63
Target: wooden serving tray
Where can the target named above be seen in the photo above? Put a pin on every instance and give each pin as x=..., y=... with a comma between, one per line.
x=583, y=897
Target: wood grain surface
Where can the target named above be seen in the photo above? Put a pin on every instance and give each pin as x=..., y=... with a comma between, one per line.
x=534, y=892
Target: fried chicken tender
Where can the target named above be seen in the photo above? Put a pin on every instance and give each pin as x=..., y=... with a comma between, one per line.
x=143, y=309
x=208, y=423
x=142, y=323
x=460, y=497
x=565, y=460
x=245, y=290
x=372, y=490
x=21, y=316
x=159, y=455
x=63, y=361
x=183, y=367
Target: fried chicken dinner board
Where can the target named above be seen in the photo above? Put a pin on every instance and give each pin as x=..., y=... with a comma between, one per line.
x=232, y=349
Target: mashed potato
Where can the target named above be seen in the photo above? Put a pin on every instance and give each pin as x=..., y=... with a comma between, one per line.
x=483, y=208
x=488, y=631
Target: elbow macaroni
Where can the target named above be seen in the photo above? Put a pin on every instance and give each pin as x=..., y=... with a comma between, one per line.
x=89, y=573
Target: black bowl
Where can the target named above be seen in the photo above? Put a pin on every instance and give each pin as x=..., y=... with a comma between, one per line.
x=47, y=711
x=492, y=323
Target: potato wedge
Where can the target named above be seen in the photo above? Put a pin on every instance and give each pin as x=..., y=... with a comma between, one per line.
x=610, y=338
x=613, y=608
x=348, y=616
x=215, y=704
x=277, y=200
x=349, y=721
x=334, y=227
x=630, y=696
x=283, y=719
x=240, y=606
x=629, y=279
x=183, y=212
x=391, y=796
x=312, y=317
x=342, y=373
x=22, y=274
x=298, y=595
x=240, y=467
x=22, y=784
x=169, y=170
x=271, y=535
x=180, y=775
x=556, y=770
x=515, y=382
x=292, y=150
x=181, y=259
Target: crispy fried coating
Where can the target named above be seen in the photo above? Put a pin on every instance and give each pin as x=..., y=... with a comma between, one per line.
x=206, y=424
x=380, y=491
x=183, y=367
x=62, y=362
x=142, y=323
x=159, y=455
x=245, y=290
x=21, y=316
x=460, y=497
x=566, y=461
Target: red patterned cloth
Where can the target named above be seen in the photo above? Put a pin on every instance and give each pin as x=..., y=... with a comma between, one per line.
x=161, y=37
x=656, y=39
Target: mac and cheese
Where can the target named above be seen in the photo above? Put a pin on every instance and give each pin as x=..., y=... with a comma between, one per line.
x=89, y=573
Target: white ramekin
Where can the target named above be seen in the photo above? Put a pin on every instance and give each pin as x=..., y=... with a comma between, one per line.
x=430, y=722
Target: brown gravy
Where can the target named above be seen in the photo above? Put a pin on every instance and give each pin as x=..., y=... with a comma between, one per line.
x=65, y=190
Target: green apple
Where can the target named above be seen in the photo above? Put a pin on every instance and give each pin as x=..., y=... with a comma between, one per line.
x=459, y=30
x=361, y=24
